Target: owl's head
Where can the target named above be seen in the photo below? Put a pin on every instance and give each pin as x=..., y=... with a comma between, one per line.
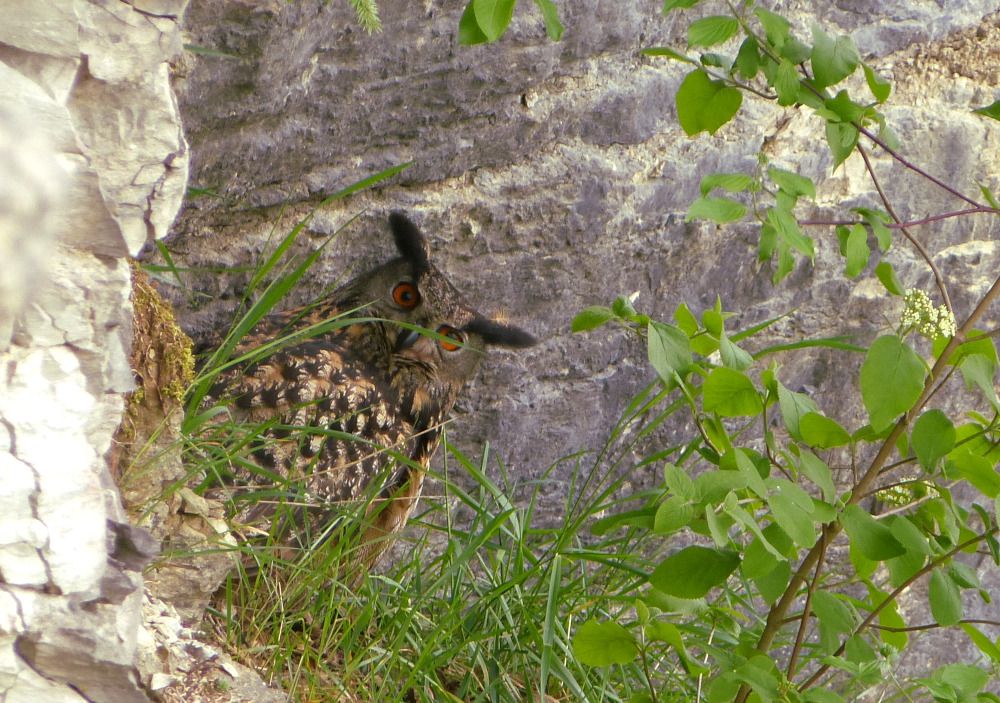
x=429, y=332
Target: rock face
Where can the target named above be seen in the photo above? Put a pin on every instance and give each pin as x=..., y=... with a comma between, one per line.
x=93, y=165
x=552, y=176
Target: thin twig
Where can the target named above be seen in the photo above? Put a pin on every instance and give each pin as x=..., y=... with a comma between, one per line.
x=938, y=278
x=800, y=636
x=916, y=169
x=912, y=223
x=933, y=625
x=893, y=596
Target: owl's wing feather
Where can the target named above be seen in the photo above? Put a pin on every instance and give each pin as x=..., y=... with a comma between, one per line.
x=332, y=434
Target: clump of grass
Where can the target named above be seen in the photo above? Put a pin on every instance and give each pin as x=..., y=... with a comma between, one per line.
x=481, y=610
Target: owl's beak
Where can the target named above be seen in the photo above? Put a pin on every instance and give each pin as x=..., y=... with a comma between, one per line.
x=406, y=339
x=416, y=346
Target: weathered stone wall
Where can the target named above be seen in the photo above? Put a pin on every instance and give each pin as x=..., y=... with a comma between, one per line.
x=552, y=176
x=93, y=165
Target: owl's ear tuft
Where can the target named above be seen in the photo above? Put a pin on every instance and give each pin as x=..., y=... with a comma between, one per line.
x=410, y=242
x=500, y=334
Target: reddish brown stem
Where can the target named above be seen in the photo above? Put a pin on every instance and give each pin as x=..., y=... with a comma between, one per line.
x=912, y=223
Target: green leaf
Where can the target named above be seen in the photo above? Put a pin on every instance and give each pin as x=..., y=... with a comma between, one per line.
x=793, y=406
x=743, y=464
x=718, y=525
x=797, y=52
x=789, y=231
x=841, y=138
x=910, y=536
x=770, y=546
x=669, y=350
x=906, y=565
x=748, y=58
x=945, y=599
x=820, y=431
x=982, y=642
x=892, y=378
x=761, y=556
x=672, y=514
x=773, y=584
x=880, y=87
x=776, y=27
x=686, y=319
x=819, y=473
x=732, y=356
x=964, y=575
x=887, y=275
x=786, y=83
x=857, y=251
x=832, y=612
x=991, y=110
x=469, y=32
x=642, y=518
x=978, y=371
x=733, y=182
x=730, y=394
x=858, y=651
x=979, y=343
x=678, y=482
x=832, y=60
x=760, y=673
x=669, y=5
x=704, y=104
x=877, y=219
x=493, y=16
x=964, y=679
x=792, y=183
x=990, y=198
x=889, y=617
x=603, y=644
x=932, y=437
x=694, y=571
x=553, y=27
x=718, y=210
x=841, y=108
x=712, y=30
x=669, y=53
x=792, y=509
x=977, y=470
x=713, y=486
x=714, y=318
x=872, y=538
x=591, y=318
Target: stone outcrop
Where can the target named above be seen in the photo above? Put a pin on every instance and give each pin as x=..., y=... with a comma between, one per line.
x=93, y=165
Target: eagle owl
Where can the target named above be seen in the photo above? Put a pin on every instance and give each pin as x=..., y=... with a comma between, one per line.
x=353, y=415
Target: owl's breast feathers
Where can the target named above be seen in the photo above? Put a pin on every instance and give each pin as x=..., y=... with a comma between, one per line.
x=334, y=419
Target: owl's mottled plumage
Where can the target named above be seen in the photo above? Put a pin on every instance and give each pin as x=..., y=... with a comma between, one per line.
x=356, y=412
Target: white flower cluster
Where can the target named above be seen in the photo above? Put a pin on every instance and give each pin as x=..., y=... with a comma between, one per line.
x=897, y=496
x=921, y=315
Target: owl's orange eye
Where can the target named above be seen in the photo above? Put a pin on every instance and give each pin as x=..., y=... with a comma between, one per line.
x=406, y=295
x=451, y=333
